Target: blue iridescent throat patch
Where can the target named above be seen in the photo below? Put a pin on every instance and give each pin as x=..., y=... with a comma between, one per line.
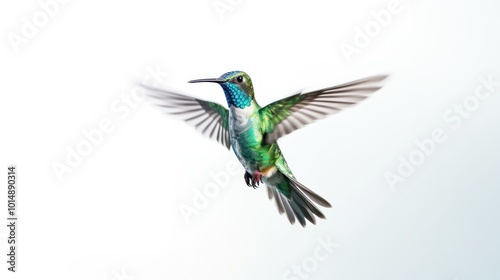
x=235, y=96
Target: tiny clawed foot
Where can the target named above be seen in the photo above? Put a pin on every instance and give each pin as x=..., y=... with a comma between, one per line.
x=247, y=178
x=256, y=179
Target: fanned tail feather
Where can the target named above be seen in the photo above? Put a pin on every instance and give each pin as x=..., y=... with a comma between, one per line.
x=300, y=205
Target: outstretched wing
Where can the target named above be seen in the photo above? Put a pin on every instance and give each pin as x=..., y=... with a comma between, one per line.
x=209, y=118
x=289, y=114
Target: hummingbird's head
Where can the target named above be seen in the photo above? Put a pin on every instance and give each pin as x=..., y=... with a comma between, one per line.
x=237, y=87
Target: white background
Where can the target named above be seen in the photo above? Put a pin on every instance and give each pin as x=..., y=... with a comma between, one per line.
x=117, y=214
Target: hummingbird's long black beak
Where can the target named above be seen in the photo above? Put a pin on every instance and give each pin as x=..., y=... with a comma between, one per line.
x=214, y=80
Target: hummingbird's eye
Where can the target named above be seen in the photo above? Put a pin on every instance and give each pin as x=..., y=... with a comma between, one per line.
x=239, y=79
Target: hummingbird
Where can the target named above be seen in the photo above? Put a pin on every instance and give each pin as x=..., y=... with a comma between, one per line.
x=252, y=131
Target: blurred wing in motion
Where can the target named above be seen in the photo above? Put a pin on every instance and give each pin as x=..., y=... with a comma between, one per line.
x=289, y=114
x=209, y=118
